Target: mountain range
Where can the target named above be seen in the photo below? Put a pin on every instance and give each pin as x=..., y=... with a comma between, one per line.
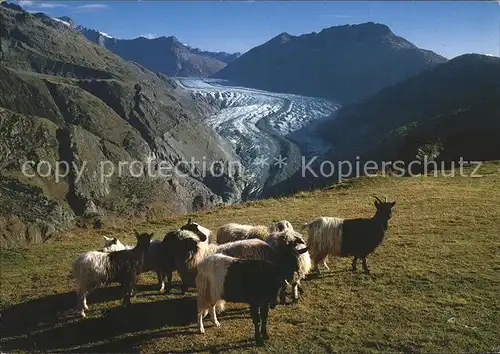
x=344, y=63
x=454, y=106
x=166, y=55
x=445, y=114
x=80, y=96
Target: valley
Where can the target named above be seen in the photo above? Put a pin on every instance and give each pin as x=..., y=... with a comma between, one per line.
x=260, y=126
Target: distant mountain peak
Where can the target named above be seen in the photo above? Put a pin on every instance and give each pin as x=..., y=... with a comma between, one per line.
x=281, y=38
x=11, y=6
x=365, y=29
x=343, y=63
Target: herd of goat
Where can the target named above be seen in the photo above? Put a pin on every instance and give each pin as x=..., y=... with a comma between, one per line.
x=241, y=264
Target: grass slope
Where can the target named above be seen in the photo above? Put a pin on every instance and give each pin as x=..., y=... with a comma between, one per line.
x=433, y=287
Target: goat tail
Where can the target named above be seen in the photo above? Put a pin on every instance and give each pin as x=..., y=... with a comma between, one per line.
x=220, y=306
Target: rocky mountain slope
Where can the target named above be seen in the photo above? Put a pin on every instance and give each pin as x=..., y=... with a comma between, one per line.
x=163, y=54
x=454, y=106
x=449, y=112
x=63, y=98
x=345, y=63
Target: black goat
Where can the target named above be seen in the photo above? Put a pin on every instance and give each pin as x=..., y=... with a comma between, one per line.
x=255, y=282
x=348, y=237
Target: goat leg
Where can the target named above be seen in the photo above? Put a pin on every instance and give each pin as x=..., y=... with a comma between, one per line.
x=254, y=311
x=365, y=267
x=213, y=316
x=264, y=313
x=169, y=281
x=282, y=294
x=354, y=264
x=295, y=291
x=161, y=281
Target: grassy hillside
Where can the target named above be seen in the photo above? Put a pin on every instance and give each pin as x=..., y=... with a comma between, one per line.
x=433, y=287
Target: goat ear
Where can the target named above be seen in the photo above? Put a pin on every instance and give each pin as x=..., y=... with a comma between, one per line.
x=115, y=240
x=393, y=203
x=136, y=233
x=151, y=234
x=201, y=234
x=190, y=221
x=376, y=203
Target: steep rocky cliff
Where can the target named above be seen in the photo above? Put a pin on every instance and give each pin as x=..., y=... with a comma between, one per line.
x=65, y=101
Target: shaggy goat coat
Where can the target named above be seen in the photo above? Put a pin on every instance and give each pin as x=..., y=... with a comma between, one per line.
x=255, y=282
x=184, y=251
x=234, y=232
x=324, y=238
x=153, y=258
x=94, y=269
x=291, y=237
x=348, y=237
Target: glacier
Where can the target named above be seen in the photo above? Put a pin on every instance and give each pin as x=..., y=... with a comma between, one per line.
x=263, y=127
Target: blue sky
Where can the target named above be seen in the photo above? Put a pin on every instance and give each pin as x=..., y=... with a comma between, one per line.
x=449, y=28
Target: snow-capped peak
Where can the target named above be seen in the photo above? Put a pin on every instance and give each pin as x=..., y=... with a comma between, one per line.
x=105, y=34
x=61, y=21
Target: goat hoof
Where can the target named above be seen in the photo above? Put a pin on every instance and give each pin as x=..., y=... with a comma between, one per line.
x=202, y=330
x=86, y=307
x=83, y=314
x=259, y=342
x=217, y=324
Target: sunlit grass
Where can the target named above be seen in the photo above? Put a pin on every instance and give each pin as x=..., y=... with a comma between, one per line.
x=433, y=288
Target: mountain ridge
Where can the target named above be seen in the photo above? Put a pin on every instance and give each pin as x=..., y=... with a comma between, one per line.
x=163, y=54
x=345, y=63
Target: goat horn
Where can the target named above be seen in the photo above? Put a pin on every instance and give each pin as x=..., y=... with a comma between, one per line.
x=386, y=200
x=377, y=198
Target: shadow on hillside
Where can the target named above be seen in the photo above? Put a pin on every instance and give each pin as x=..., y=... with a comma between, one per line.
x=52, y=324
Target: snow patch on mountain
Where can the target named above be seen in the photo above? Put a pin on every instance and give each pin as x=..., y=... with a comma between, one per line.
x=105, y=35
x=63, y=22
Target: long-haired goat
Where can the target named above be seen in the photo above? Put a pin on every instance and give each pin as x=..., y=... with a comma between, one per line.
x=95, y=269
x=291, y=237
x=153, y=258
x=234, y=232
x=223, y=278
x=183, y=251
x=348, y=237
